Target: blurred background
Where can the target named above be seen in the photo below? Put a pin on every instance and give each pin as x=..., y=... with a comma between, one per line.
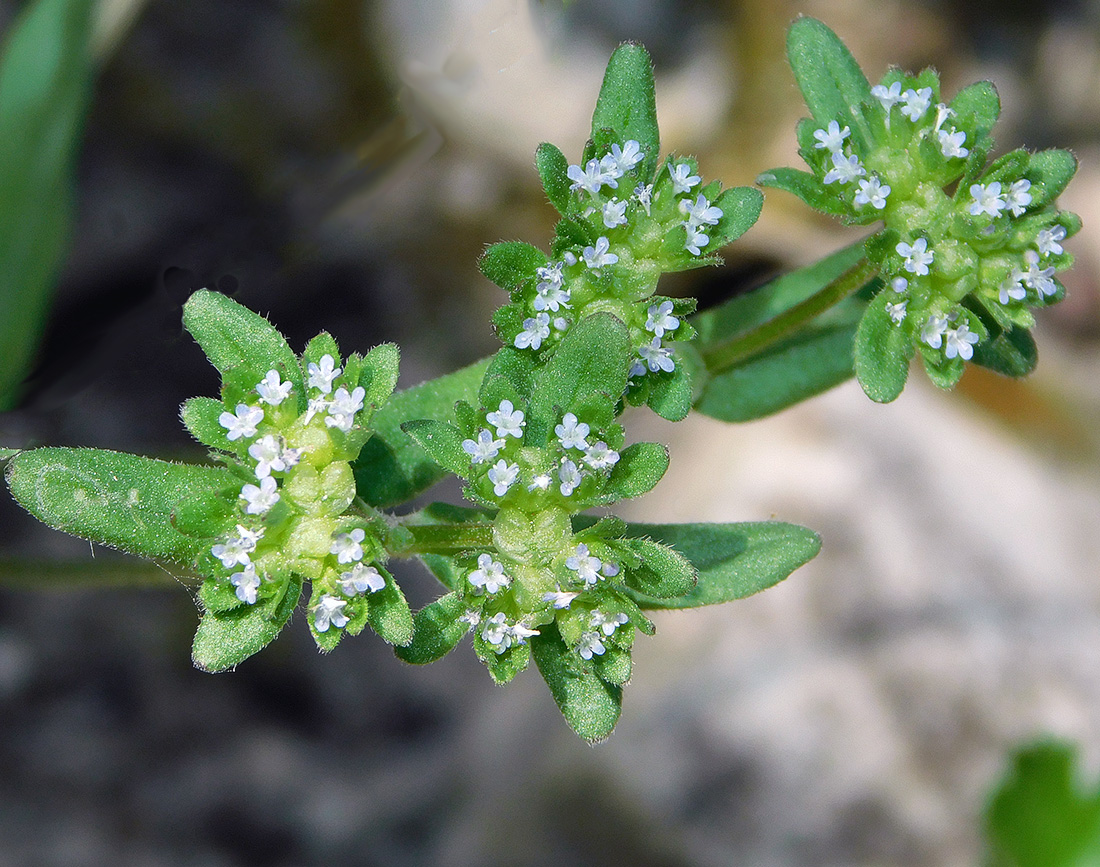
x=340, y=165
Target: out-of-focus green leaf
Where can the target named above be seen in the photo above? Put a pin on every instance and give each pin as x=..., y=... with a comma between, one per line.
x=1049, y=172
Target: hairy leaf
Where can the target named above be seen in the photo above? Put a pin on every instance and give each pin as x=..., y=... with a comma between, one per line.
x=627, y=103
x=510, y=263
x=442, y=442
x=882, y=352
x=436, y=631
x=552, y=168
x=590, y=706
x=1049, y=172
x=224, y=640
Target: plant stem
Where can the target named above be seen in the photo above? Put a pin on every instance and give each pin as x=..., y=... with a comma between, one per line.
x=409, y=540
x=726, y=355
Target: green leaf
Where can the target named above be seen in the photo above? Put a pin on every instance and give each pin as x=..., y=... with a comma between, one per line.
x=442, y=442
x=614, y=666
x=1049, y=172
x=807, y=187
x=200, y=416
x=123, y=501
x=1009, y=352
x=831, y=82
x=8, y=453
x=977, y=108
x=553, y=167
x=640, y=468
x=225, y=640
x=665, y=573
x=392, y=468
x=436, y=630
x=590, y=706
x=379, y=374
x=627, y=104
x=732, y=560
x=1040, y=816
x=503, y=667
x=670, y=394
x=740, y=210
x=882, y=352
x=45, y=84
x=510, y=263
x=389, y=615
x=233, y=336
x=218, y=596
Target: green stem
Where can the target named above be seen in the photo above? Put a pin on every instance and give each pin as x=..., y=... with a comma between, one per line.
x=409, y=540
x=723, y=356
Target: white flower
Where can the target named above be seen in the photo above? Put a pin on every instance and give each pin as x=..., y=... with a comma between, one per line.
x=329, y=612
x=600, y=255
x=637, y=368
x=1041, y=280
x=541, y=482
x=643, y=193
x=932, y=331
x=899, y=284
x=242, y=423
x=246, y=582
x=571, y=433
x=503, y=475
x=550, y=275
x=917, y=102
x=484, y=449
x=1018, y=198
x=570, y=475
x=614, y=213
x=660, y=320
x=260, y=499
x=590, y=645
x=535, y=330
x=600, y=456
x=271, y=390
x=315, y=405
x=682, y=178
x=960, y=341
x=489, y=575
x=236, y=550
x=625, y=159
x=986, y=199
x=585, y=565
x=550, y=297
x=472, y=617
x=872, y=192
x=896, y=311
x=608, y=622
x=832, y=138
x=347, y=547
x=845, y=169
x=520, y=632
x=951, y=144
x=1012, y=289
x=657, y=357
x=507, y=420
x=559, y=598
x=609, y=570
x=361, y=579
x=344, y=406
x=1048, y=240
x=268, y=454
x=917, y=256
x=696, y=240
x=560, y=323
x=497, y=632
x=888, y=97
x=591, y=178
x=700, y=212
x=942, y=114
x=321, y=375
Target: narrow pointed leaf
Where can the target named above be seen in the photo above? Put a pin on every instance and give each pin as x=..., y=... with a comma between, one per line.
x=553, y=167
x=627, y=103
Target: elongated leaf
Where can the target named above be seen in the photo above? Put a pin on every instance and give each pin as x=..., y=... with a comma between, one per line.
x=1049, y=172
x=590, y=706
x=807, y=187
x=436, y=631
x=882, y=352
x=392, y=468
x=223, y=641
x=389, y=615
x=627, y=103
x=665, y=574
x=733, y=560
x=509, y=263
x=200, y=416
x=123, y=501
x=379, y=374
x=977, y=108
x=740, y=209
x=442, y=442
x=552, y=167
x=45, y=83
x=639, y=469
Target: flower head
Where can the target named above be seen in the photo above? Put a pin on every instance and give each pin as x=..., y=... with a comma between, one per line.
x=559, y=599
x=503, y=475
x=626, y=158
x=896, y=312
x=260, y=499
x=271, y=390
x=321, y=375
x=987, y=199
x=614, y=213
x=831, y=138
x=960, y=341
x=932, y=330
x=570, y=476
x=489, y=575
x=917, y=102
x=584, y=564
x=888, y=96
x=951, y=144
x=507, y=420
x=590, y=645
x=343, y=407
x=700, y=212
x=845, y=169
x=535, y=330
x=246, y=583
x=329, y=612
x=1049, y=241
x=656, y=356
x=682, y=178
x=348, y=547
x=571, y=433
x=1018, y=197
x=917, y=256
x=601, y=456
x=485, y=448
x=600, y=255
x=608, y=623
x=872, y=192
x=268, y=454
x=659, y=319
x=241, y=423
x=361, y=579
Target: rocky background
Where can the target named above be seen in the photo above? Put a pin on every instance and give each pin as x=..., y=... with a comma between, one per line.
x=340, y=165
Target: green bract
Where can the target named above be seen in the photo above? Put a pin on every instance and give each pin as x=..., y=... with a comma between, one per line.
x=967, y=247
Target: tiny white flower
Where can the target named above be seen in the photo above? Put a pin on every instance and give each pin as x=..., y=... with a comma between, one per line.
x=643, y=193
x=246, y=582
x=361, y=579
x=1039, y=279
x=1049, y=241
x=561, y=323
x=600, y=255
x=614, y=213
x=489, y=575
x=497, y=632
x=917, y=102
x=682, y=178
x=472, y=617
x=933, y=330
x=696, y=240
x=242, y=423
x=329, y=612
x=315, y=405
x=700, y=212
x=899, y=284
x=571, y=433
x=1018, y=198
x=550, y=275
x=507, y=420
x=608, y=622
x=872, y=192
x=917, y=256
x=520, y=632
x=484, y=449
x=321, y=375
x=1012, y=289
x=951, y=144
x=570, y=476
x=260, y=499
x=343, y=407
x=832, y=138
x=960, y=341
x=590, y=645
x=268, y=454
x=986, y=199
x=600, y=456
x=942, y=114
x=590, y=178
x=559, y=598
x=660, y=320
x=236, y=550
x=626, y=158
x=535, y=330
x=271, y=390
x=541, y=482
x=550, y=296
x=656, y=356
x=585, y=565
x=609, y=570
x=896, y=312
x=347, y=546
x=845, y=169
x=889, y=97
x=638, y=368
x=503, y=475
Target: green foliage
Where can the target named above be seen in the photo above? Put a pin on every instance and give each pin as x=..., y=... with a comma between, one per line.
x=510, y=263
x=441, y=441
x=552, y=167
x=882, y=353
x=627, y=103
x=226, y=639
x=807, y=187
x=1040, y=816
x=638, y=471
x=45, y=83
x=436, y=630
x=589, y=704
